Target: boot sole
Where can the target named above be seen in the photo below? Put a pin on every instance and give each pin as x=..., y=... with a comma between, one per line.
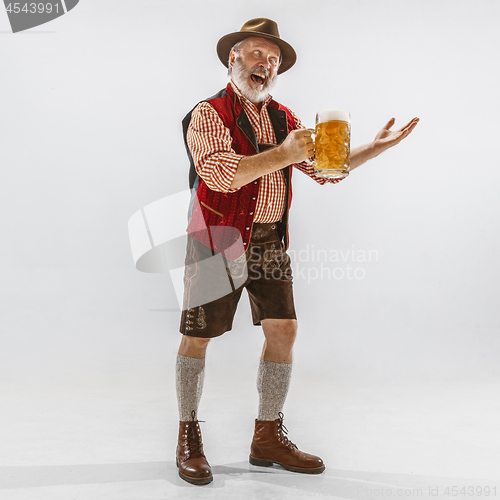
x=260, y=462
x=194, y=480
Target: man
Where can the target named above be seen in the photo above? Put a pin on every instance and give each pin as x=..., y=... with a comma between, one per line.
x=243, y=147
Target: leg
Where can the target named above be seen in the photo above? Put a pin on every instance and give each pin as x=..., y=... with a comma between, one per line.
x=193, y=347
x=280, y=336
x=199, y=323
x=275, y=368
x=190, y=373
x=271, y=297
x=270, y=443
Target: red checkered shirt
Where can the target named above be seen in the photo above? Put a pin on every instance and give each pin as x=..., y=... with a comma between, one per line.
x=216, y=162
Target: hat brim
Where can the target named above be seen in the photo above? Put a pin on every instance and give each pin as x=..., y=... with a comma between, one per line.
x=224, y=45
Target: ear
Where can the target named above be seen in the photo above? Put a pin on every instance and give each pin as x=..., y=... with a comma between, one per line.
x=232, y=57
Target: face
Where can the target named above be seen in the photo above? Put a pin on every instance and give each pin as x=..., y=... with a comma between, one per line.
x=255, y=68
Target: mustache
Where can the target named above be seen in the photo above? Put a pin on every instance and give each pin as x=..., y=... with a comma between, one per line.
x=259, y=70
x=240, y=75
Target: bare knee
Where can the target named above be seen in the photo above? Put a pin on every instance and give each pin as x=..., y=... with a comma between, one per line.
x=193, y=347
x=283, y=332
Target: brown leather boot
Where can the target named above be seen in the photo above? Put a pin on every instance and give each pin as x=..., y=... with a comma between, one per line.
x=193, y=465
x=270, y=445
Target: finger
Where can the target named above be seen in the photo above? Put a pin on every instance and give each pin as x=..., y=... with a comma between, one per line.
x=306, y=132
x=389, y=124
x=411, y=123
x=409, y=128
x=405, y=133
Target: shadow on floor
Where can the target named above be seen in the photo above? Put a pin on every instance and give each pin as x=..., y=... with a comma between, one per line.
x=338, y=483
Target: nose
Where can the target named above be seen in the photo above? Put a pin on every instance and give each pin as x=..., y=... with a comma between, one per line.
x=265, y=62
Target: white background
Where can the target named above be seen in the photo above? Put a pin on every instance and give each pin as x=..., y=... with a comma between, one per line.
x=90, y=132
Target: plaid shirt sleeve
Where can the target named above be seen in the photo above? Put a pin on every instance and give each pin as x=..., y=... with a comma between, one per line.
x=209, y=141
x=307, y=168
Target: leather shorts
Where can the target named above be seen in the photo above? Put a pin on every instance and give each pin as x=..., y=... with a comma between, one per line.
x=213, y=285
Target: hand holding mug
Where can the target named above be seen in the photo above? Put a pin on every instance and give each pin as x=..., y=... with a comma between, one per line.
x=298, y=145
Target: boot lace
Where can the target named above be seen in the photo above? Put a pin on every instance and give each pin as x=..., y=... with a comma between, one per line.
x=194, y=435
x=282, y=431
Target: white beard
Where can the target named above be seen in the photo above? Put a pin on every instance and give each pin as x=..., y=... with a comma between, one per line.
x=240, y=77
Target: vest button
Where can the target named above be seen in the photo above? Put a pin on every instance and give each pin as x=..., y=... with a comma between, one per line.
x=255, y=182
x=253, y=197
x=251, y=213
x=248, y=229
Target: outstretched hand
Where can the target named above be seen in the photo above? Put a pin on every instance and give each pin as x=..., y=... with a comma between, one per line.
x=388, y=138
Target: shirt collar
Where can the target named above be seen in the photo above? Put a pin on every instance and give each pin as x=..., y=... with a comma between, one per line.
x=244, y=101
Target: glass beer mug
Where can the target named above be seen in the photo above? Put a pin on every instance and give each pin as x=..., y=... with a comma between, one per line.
x=332, y=143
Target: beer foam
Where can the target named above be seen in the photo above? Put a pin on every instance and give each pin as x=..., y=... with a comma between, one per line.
x=333, y=114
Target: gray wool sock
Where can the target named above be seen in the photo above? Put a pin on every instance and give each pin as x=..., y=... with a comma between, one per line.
x=273, y=380
x=189, y=376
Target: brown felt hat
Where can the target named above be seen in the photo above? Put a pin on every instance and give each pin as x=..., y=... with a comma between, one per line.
x=262, y=28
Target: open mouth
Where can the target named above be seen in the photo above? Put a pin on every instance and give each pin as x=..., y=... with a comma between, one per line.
x=258, y=78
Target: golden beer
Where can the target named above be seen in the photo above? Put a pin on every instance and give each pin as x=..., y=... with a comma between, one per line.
x=333, y=138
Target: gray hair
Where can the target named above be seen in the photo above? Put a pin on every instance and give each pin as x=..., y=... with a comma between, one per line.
x=236, y=47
